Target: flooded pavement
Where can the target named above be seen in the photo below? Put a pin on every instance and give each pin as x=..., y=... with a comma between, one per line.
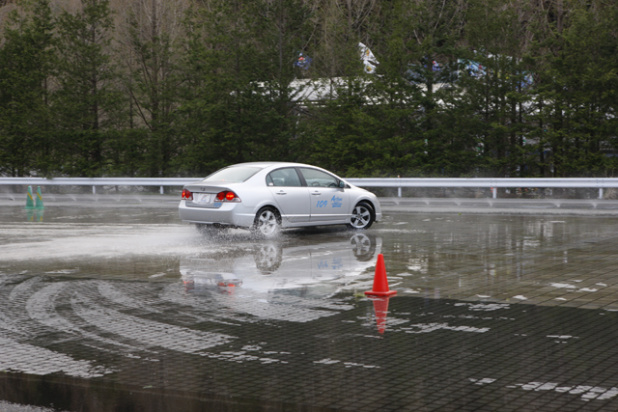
x=105, y=307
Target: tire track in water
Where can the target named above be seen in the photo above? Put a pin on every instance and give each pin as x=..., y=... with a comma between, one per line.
x=17, y=326
x=14, y=321
x=39, y=311
x=118, y=297
x=150, y=333
x=41, y=307
x=250, y=307
x=203, y=308
x=30, y=359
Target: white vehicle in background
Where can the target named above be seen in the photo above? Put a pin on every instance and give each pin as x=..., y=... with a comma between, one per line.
x=268, y=196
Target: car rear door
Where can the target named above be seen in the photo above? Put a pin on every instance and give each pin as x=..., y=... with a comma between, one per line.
x=291, y=196
x=329, y=202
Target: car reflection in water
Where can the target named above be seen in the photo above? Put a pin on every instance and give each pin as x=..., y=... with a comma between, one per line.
x=271, y=280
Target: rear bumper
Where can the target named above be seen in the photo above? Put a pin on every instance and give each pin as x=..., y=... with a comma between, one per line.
x=229, y=214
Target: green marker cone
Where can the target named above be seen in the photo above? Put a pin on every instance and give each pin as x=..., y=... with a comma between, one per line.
x=29, y=199
x=39, y=198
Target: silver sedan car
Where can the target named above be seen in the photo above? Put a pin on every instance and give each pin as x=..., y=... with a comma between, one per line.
x=267, y=196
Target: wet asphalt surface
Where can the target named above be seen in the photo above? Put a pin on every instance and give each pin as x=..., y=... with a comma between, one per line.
x=112, y=304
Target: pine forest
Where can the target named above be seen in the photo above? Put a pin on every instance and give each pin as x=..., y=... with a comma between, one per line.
x=414, y=88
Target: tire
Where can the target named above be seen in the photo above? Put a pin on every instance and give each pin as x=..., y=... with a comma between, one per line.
x=363, y=216
x=267, y=222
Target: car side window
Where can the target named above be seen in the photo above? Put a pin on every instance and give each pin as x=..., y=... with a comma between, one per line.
x=317, y=178
x=283, y=177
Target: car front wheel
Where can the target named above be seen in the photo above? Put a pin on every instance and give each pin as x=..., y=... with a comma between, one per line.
x=362, y=216
x=267, y=222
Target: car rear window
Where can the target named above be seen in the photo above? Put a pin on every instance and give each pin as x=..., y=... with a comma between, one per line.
x=284, y=177
x=233, y=174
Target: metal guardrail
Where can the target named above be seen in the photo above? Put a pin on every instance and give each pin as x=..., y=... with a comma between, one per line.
x=100, y=181
x=399, y=183
x=490, y=182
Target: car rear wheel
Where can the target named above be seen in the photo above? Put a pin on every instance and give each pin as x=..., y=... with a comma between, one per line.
x=362, y=216
x=267, y=222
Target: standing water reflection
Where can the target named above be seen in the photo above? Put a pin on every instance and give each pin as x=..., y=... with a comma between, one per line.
x=501, y=258
x=122, y=309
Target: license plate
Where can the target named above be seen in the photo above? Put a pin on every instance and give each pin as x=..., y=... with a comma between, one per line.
x=202, y=198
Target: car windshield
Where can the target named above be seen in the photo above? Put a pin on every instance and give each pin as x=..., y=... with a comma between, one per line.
x=233, y=174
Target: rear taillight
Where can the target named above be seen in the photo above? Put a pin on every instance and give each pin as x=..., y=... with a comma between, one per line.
x=227, y=196
x=186, y=195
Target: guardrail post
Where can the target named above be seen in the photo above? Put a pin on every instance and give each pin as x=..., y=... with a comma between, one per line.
x=161, y=189
x=94, y=190
x=494, y=192
x=600, y=193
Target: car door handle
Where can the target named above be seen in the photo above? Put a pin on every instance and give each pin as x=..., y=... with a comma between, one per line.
x=281, y=192
x=316, y=193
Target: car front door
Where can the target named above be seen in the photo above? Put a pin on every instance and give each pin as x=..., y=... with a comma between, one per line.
x=328, y=201
x=291, y=196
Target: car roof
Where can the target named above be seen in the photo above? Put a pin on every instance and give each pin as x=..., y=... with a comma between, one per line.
x=270, y=163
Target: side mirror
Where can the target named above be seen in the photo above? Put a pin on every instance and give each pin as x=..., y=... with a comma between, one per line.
x=341, y=184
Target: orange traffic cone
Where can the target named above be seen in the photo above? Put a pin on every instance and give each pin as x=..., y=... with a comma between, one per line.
x=380, y=283
x=380, y=308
